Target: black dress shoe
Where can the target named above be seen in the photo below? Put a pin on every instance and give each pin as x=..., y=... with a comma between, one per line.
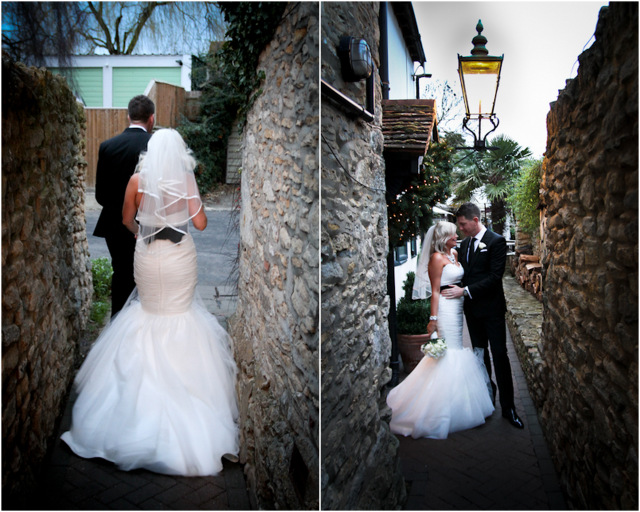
x=513, y=418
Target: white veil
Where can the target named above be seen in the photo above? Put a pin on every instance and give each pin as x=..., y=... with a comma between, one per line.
x=422, y=283
x=171, y=196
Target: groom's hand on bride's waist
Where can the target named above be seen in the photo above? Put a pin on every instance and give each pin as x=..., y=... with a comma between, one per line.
x=452, y=292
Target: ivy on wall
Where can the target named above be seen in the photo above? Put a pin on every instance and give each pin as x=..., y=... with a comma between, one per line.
x=410, y=212
x=231, y=86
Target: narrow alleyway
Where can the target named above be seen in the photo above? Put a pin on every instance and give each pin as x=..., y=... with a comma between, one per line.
x=73, y=483
x=492, y=467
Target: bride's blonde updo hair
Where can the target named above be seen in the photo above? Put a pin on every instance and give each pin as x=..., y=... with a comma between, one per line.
x=442, y=232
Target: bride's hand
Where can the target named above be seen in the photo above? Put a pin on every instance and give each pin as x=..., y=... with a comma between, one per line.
x=432, y=326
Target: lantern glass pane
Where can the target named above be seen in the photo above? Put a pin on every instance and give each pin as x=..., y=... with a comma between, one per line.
x=480, y=77
x=481, y=93
x=361, y=58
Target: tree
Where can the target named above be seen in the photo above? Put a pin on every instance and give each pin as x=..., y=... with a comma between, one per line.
x=410, y=211
x=449, y=104
x=233, y=83
x=32, y=31
x=525, y=196
x=168, y=27
x=495, y=172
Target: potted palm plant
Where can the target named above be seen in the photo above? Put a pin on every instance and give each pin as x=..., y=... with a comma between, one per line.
x=412, y=317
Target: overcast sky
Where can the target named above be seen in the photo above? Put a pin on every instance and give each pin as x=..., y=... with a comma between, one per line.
x=540, y=41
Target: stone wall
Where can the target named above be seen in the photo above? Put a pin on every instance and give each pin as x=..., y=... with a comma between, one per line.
x=275, y=327
x=360, y=468
x=589, y=345
x=46, y=281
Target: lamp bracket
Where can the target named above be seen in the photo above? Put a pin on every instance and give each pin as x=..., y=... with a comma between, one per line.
x=479, y=141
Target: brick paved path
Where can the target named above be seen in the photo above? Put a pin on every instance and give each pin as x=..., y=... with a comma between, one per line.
x=74, y=483
x=492, y=467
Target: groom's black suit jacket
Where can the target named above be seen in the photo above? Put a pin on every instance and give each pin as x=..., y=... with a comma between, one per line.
x=117, y=160
x=483, y=275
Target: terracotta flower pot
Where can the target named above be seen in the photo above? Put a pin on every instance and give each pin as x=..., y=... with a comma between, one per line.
x=409, y=347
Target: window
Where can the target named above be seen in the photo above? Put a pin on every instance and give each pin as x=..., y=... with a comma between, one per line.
x=400, y=255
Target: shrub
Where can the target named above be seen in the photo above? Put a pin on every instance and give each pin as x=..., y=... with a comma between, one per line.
x=102, y=273
x=525, y=197
x=412, y=316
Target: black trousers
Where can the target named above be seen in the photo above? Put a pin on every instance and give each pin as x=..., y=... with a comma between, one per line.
x=121, y=248
x=491, y=332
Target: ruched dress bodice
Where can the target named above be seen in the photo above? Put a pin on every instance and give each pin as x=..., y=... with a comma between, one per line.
x=450, y=310
x=166, y=275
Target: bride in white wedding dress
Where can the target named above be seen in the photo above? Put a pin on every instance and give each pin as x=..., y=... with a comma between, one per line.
x=451, y=393
x=157, y=390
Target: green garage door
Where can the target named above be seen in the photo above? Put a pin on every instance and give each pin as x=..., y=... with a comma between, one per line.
x=88, y=85
x=129, y=82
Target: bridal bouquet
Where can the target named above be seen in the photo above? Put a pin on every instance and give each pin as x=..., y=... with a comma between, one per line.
x=435, y=347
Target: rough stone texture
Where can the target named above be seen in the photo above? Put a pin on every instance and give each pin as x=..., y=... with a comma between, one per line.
x=524, y=319
x=589, y=348
x=276, y=324
x=46, y=281
x=360, y=465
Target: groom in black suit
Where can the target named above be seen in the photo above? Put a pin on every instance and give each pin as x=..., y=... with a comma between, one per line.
x=483, y=255
x=117, y=160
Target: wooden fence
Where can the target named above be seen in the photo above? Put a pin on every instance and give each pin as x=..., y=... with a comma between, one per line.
x=102, y=124
x=171, y=102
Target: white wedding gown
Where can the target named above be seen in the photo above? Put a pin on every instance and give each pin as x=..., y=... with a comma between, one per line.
x=448, y=394
x=157, y=390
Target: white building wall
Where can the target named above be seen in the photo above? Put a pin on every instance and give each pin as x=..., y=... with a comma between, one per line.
x=401, y=82
x=108, y=62
x=401, y=87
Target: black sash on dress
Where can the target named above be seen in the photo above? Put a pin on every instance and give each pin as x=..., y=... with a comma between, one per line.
x=167, y=234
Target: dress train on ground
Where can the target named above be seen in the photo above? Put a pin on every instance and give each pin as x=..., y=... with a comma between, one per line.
x=157, y=390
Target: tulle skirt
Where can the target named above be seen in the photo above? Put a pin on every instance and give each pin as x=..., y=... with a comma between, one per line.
x=157, y=390
x=441, y=396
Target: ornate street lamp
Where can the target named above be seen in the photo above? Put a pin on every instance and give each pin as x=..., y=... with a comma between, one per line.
x=479, y=78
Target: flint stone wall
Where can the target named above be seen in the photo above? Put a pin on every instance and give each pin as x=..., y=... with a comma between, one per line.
x=46, y=281
x=360, y=466
x=276, y=324
x=589, y=347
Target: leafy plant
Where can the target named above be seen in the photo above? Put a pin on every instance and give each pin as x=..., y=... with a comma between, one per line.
x=494, y=170
x=232, y=86
x=525, y=197
x=410, y=212
x=412, y=316
x=102, y=274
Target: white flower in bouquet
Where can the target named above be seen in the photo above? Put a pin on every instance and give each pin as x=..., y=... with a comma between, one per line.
x=435, y=347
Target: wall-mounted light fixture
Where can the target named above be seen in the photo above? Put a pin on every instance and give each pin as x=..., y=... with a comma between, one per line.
x=356, y=64
x=480, y=78
x=355, y=59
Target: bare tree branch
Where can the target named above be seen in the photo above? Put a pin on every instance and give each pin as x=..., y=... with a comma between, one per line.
x=33, y=30
x=142, y=20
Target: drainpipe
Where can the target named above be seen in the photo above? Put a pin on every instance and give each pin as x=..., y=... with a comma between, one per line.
x=384, y=50
x=391, y=283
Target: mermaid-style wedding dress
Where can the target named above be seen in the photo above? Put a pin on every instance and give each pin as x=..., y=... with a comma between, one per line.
x=157, y=390
x=448, y=394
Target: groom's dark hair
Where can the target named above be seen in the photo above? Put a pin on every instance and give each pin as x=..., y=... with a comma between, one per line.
x=140, y=108
x=468, y=211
